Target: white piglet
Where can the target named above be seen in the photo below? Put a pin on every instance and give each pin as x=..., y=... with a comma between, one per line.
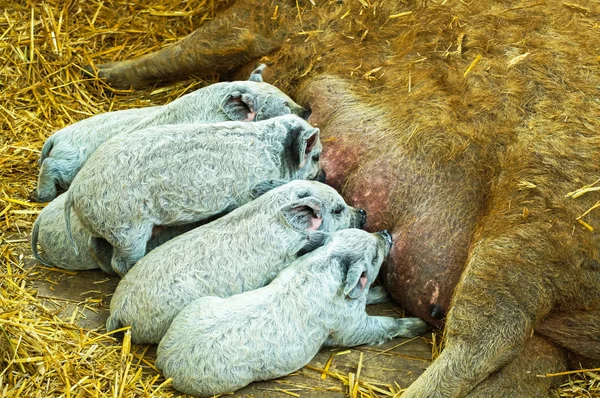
x=217, y=345
x=181, y=174
x=241, y=251
x=50, y=232
x=67, y=150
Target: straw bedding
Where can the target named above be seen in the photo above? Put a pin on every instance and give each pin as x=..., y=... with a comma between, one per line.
x=43, y=46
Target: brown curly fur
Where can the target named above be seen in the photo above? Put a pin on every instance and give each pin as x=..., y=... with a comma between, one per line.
x=469, y=172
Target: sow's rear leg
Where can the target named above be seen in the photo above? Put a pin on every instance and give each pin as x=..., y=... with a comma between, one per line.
x=521, y=377
x=243, y=32
x=578, y=331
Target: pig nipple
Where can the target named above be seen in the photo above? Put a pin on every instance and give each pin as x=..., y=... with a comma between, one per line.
x=436, y=311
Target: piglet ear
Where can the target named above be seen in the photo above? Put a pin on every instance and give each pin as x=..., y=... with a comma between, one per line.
x=256, y=75
x=305, y=143
x=303, y=214
x=264, y=186
x=356, y=278
x=314, y=240
x=240, y=106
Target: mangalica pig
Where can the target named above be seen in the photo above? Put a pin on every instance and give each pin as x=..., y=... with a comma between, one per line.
x=531, y=276
x=319, y=300
x=50, y=232
x=460, y=127
x=241, y=251
x=66, y=151
x=180, y=174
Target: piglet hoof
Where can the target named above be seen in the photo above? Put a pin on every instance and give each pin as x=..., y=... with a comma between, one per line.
x=410, y=327
x=33, y=196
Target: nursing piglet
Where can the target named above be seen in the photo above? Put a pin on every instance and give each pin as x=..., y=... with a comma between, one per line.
x=50, y=232
x=66, y=151
x=217, y=345
x=241, y=251
x=180, y=174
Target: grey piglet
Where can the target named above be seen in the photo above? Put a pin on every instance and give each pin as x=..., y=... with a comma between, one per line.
x=217, y=345
x=49, y=231
x=241, y=251
x=180, y=174
x=67, y=150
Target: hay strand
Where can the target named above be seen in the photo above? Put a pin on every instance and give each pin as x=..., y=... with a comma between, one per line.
x=475, y=61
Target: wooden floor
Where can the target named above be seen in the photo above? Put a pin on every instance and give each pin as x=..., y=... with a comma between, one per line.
x=84, y=297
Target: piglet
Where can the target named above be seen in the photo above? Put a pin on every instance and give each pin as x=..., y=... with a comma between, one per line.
x=180, y=174
x=67, y=150
x=217, y=345
x=241, y=251
x=49, y=231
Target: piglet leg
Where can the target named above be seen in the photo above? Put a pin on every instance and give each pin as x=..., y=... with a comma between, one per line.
x=239, y=34
x=375, y=330
x=131, y=248
x=48, y=179
x=378, y=295
x=102, y=252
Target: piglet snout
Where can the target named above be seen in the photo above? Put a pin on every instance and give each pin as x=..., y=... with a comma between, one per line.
x=363, y=218
x=321, y=176
x=387, y=237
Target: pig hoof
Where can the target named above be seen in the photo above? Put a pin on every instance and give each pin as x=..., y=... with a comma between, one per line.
x=119, y=75
x=35, y=197
x=113, y=323
x=88, y=71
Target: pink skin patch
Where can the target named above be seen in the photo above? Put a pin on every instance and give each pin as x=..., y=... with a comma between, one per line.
x=371, y=189
x=436, y=294
x=363, y=281
x=309, y=147
x=338, y=160
x=315, y=223
x=250, y=117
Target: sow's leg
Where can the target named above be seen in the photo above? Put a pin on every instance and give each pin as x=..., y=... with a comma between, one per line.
x=520, y=378
x=493, y=314
x=245, y=31
x=578, y=331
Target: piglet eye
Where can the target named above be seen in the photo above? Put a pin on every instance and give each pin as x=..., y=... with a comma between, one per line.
x=316, y=157
x=338, y=210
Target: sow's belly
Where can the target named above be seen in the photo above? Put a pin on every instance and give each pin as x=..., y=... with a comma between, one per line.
x=430, y=221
